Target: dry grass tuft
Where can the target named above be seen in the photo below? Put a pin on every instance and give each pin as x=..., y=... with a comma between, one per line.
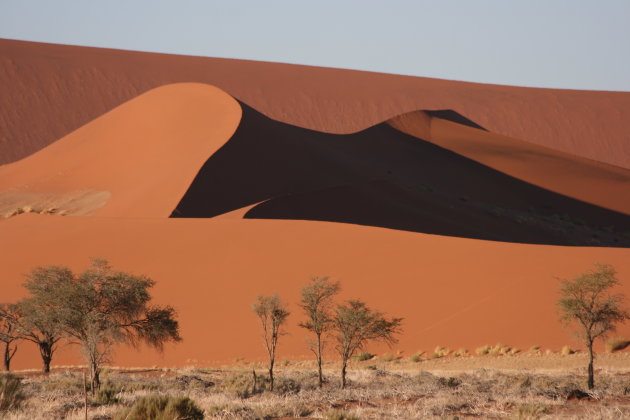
x=483, y=350
x=616, y=344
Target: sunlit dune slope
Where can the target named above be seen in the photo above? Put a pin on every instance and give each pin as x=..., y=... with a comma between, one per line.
x=383, y=177
x=50, y=90
x=451, y=292
x=584, y=179
x=138, y=159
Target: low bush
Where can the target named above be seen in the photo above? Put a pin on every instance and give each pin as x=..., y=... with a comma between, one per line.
x=161, y=407
x=11, y=395
x=451, y=382
x=566, y=350
x=245, y=384
x=106, y=394
x=286, y=386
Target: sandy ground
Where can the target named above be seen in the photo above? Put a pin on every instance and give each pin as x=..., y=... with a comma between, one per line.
x=452, y=292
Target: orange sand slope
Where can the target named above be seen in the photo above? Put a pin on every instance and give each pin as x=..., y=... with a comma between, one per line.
x=145, y=153
x=50, y=90
x=584, y=179
x=452, y=292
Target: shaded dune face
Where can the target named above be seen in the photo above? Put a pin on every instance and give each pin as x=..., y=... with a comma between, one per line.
x=385, y=178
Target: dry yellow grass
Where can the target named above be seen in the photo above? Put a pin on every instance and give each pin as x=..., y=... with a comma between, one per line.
x=527, y=385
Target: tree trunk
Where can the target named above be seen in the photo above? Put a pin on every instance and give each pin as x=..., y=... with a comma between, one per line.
x=344, y=363
x=319, y=360
x=95, y=376
x=591, y=375
x=46, y=351
x=271, y=363
x=8, y=356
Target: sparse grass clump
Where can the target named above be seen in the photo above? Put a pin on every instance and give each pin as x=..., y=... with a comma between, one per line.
x=161, y=407
x=616, y=344
x=499, y=350
x=388, y=357
x=416, y=357
x=11, y=395
x=530, y=411
x=483, y=350
x=566, y=350
x=440, y=352
x=340, y=415
x=363, y=356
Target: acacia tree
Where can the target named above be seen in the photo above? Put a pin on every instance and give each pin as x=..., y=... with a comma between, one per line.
x=587, y=302
x=8, y=334
x=355, y=325
x=273, y=314
x=37, y=317
x=106, y=307
x=317, y=304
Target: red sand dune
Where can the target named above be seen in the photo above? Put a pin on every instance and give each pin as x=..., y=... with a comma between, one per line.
x=452, y=292
x=50, y=90
x=584, y=179
x=145, y=153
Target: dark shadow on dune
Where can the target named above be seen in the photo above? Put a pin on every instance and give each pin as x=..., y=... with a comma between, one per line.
x=454, y=116
x=382, y=177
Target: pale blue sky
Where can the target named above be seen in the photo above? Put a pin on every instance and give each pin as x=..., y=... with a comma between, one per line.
x=578, y=44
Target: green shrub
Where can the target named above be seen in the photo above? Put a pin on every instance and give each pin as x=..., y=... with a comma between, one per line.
x=161, y=407
x=566, y=350
x=363, y=356
x=616, y=344
x=11, y=395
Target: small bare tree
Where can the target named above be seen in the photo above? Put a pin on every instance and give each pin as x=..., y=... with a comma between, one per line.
x=355, y=325
x=317, y=304
x=587, y=302
x=273, y=314
x=8, y=334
